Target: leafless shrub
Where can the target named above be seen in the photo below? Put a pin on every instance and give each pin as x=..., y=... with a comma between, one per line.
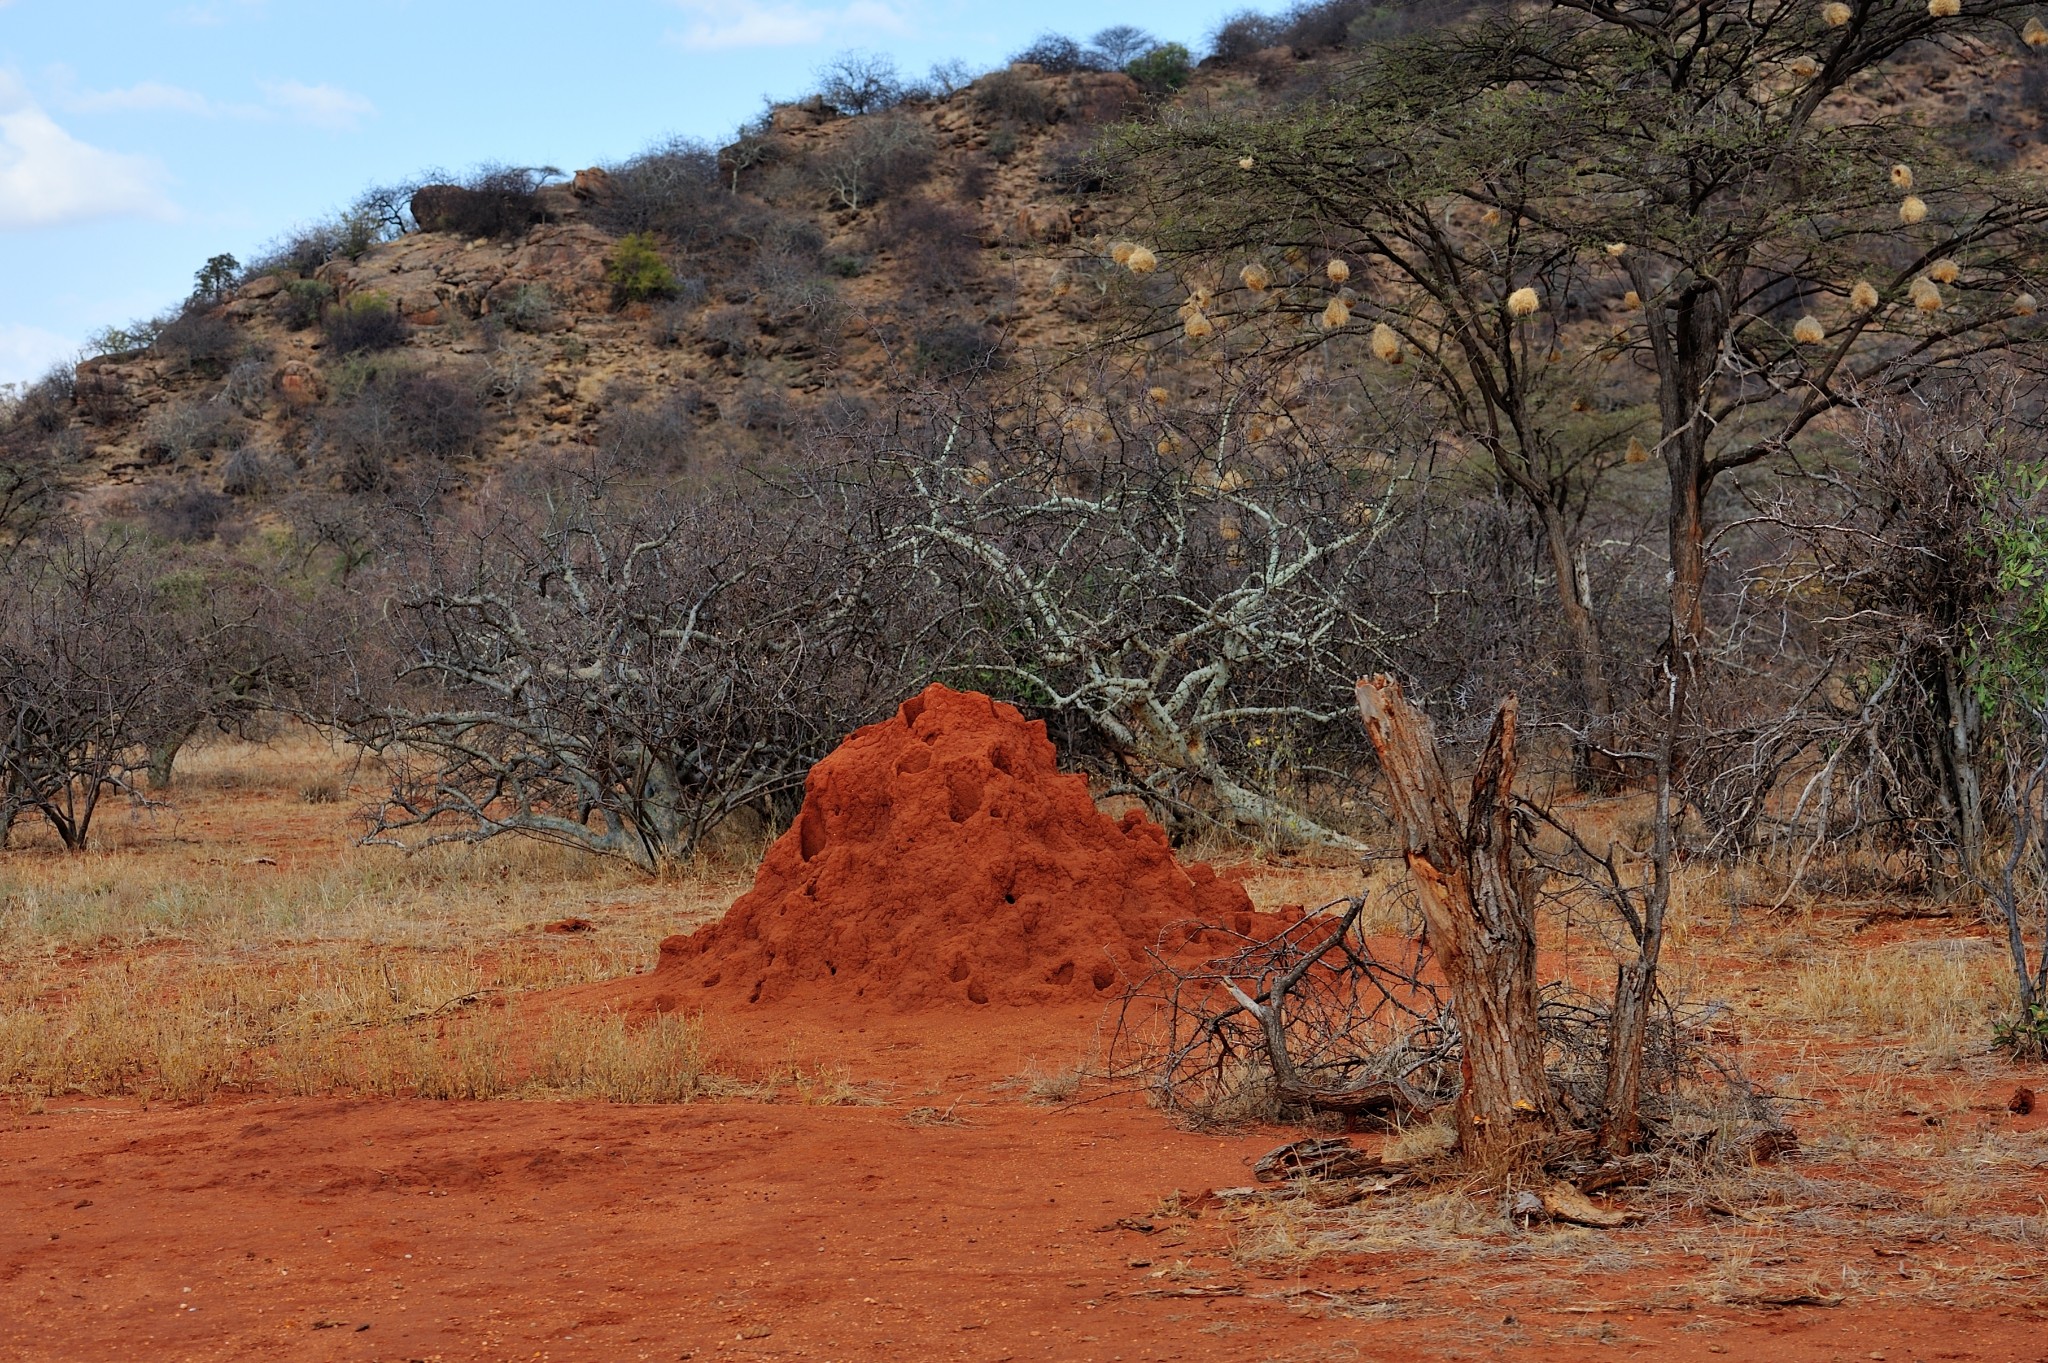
x=433, y=413
x=184, y=512
x=178, y=430
x=249, y=472
x=875, y=158
x=44, y=406
x=528, y=308
x=365, y=323
x=247, y=388
x=939, y=242
x=622, y=680
x=1904, y=546
x=1193, y=614
x=92, y=659
x=1013, y=96
x=857, y=83
x=204, y=339
x=727, y=330
x=643, y=438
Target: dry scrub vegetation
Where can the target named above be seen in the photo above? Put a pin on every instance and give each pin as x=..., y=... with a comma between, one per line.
x=243, y=942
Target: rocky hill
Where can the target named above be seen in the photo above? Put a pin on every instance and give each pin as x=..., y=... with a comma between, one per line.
x=801, y=275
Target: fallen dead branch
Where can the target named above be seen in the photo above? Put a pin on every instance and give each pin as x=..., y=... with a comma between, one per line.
x=1315, y=1019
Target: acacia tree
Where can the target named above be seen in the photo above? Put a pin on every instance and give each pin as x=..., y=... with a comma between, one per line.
x=1671, y=206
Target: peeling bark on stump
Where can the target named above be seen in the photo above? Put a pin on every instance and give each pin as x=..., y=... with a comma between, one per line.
x=1479, y=923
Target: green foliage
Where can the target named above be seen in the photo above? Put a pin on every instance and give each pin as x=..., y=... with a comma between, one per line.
x=2011, y=656
x=125, y=340
x=1162, y=70
x=636, y=271
x=215, y=278
x=2025, y=1034
x=366, y=322
x=303, y=300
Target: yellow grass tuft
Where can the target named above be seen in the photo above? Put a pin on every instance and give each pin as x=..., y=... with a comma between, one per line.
x=1523, y=301
x=1386, y=344
x=1337, y=314
x=1245, y=163
x=1938, y=996
x=1863, y=297
x=1944, y=271
x=1912, y=210
x=1809, y=331
x=1490, y=218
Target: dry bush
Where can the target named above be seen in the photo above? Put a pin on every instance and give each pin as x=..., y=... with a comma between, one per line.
x=1014, y=97
x=178, y=430
x=875, y=158
x=938, y=241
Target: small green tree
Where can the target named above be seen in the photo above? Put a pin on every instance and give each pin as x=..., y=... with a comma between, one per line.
x=636, y=271
x=215, y=278
x=1162, y=70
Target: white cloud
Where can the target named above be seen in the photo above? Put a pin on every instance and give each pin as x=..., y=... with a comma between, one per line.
x=150, y=96
x=48, y=177
x=720, y=25
x=324, y=106
x=28, y=353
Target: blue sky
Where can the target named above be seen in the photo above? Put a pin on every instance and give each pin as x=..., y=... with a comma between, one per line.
x=137, y=139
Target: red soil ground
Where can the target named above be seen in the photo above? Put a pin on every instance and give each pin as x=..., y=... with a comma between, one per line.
x=323, y=1230
x=938, y=1214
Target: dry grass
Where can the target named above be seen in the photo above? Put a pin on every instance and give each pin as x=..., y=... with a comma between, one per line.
x=1935, y=998
x=237, y=938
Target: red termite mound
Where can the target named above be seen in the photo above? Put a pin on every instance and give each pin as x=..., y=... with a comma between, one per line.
x=942, y=858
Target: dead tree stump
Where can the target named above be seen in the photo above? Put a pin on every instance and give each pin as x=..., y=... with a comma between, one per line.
x=1477, y=919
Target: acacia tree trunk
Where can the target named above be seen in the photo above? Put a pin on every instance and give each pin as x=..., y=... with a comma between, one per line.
x=1477, y=920
x=1687, y=344
x=1959, y=718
